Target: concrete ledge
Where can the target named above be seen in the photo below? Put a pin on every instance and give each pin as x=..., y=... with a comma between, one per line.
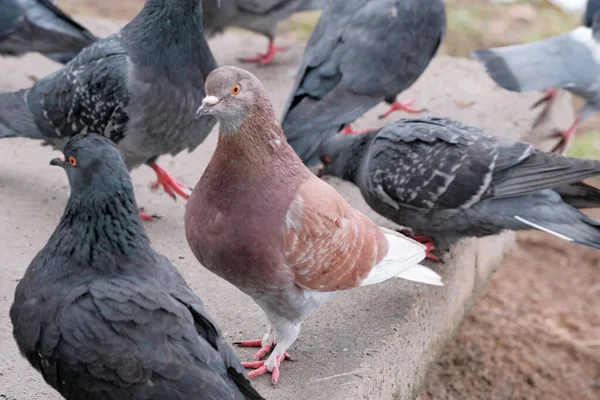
x=373, y=343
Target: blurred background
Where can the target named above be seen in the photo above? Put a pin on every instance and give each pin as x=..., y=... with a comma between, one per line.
x=535, y=331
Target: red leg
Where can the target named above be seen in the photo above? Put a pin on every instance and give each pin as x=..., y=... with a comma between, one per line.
x=349, y=131
x=549, y=95
x=264, y=350
x=169, y=183
x=265, y=58
x=260, y=368
x=147, y=217
x=566, y=136
x=398, y=106
x=426, y=240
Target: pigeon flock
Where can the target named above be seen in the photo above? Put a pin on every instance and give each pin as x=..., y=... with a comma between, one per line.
x=102, y=315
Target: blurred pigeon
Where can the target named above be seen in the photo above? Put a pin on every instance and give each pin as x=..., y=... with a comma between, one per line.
x=360, y=53
x=447, y=180
x=139, y=87
x=260, y=16
x=261, y=220
x=39, y=25
x=102, y=315
x=568, y=61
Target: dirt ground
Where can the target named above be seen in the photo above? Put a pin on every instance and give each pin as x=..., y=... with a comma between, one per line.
x=535, y=331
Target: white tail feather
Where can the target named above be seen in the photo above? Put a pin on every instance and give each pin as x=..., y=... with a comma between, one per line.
x=402, y=261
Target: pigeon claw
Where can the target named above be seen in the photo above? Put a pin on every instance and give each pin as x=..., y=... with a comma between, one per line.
x=398, y=106
x=265, y=58
x=170, y=185
x=260, y=368
x=147, y=217
x=566, y=136
x=430, y=246
x=348, y=130
x=549, y=95
x=264, y=350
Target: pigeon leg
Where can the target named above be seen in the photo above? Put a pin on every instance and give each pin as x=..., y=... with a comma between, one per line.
x=147, y=217
x=266, y=345
x=566, y=136
x=348, y=130
x=265, y=58
x=398, y=106
x=550, y=94
x=429, y=243
x=262, y=367
x=169, y=183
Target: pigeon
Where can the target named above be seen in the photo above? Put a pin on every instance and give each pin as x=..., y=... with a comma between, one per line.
x=593, y=6
x=139, y=87
x=445, y=181
x=101, y=315
x=39, y=25
x=360, y=53
x=569, y=61
x=260, y=16
x=261, y=220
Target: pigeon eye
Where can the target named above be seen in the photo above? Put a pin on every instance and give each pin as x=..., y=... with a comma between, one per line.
x=326, y=160
x=236, y=88
x=73, y=161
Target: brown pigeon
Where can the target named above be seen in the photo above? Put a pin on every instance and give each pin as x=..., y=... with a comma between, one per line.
x=261, y=220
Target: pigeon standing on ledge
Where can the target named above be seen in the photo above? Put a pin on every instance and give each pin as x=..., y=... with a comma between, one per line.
x=447, y=180
x=261, y=220
x=101, y=315
x=569, y=61
x=361, y=53
x=39, y=25
x=139, y=87
x=260, y=16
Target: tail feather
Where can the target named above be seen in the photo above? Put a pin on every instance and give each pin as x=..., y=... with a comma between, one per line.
x=582, y=229
x=580, y=195
x=15, y=118
x=402, y=261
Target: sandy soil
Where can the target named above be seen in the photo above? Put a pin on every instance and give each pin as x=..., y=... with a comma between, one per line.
x=533, y=334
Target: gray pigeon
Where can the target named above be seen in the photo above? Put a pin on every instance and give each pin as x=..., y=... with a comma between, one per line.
x=593, y=6
x=447, y=180
x=360, y=53
x=39, y=25
x=261, y=220
x=139, y=87
x=260, y=16
x=569, y=61
x=102, y=315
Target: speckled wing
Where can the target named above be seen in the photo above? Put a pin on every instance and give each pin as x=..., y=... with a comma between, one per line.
x=437, y=163
x=360, y=53
x=88, y=94
x=129, y=338
x=328, y=244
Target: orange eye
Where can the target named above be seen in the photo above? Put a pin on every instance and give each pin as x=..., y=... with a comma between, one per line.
x=326, y=160
x=73, y=161
x=236, y=88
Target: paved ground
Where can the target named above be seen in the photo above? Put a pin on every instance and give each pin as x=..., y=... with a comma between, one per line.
x=369, y=343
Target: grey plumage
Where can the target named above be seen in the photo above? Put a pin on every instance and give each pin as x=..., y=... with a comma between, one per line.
x=139, y=87
x=447, y=180
x=40, y=26
x=591, y=9
x=101, y=315
x=361, y=53
x=260, y=16
x=569, y=61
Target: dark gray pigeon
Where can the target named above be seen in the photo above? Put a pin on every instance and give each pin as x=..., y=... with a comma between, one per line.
x=447, y=180
x=39, y=25
x=260, y=16
x=139, y=87
x=593, y=6
x=361, y=53
x=570, y=61
x=101, y=315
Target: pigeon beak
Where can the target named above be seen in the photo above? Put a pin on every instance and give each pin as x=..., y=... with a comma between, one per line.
x=207, y=103
x=59, y=161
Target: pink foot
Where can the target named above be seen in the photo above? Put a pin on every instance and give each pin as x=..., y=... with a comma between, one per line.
x=264, y=350
x=349, y=131
x=260, y=368
x=566, y=136
x=398, y=106
x=429, y=243
x=547, y=98
x=265, y=58
x=169, y=183
x=147, y=217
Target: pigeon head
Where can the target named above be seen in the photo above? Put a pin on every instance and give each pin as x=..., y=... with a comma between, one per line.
x=94, y=166
x=232, y=96
x=341, y=155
